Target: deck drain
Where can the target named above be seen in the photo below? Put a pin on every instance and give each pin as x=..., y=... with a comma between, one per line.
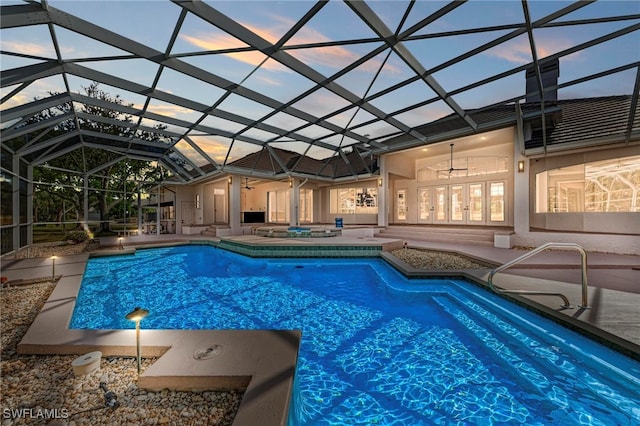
x=208, y=352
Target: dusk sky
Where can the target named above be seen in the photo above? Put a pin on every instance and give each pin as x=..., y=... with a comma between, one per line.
x=152, y=22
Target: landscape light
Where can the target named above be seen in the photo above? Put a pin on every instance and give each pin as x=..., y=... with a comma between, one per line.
x=53, y=267
x=137, y=315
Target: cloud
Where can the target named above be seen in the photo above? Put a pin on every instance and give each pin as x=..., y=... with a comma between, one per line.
x=335, y=57
x=15, y=101
x=518, y=50
x=27, y=48
x=168, y=110
x=214, y=148
x=223, y=41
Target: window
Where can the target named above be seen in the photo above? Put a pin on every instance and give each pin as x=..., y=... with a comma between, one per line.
x=353, y=201
x=467, y=167
x=497, y=201
x=306, y=205
x=602, y=187
x=401, y=204
x=278, y=206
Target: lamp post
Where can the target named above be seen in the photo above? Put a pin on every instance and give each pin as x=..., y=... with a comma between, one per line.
x=53, y=267
x=137, y=315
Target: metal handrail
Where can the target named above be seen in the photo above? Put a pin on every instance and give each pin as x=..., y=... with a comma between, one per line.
x=583, y=264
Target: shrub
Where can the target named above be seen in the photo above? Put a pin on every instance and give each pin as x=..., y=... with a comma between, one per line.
x=76, y=236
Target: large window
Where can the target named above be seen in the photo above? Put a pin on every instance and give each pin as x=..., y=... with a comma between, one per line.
x=306, y=206
x=497, y=201
x=278, y=206
x=353, y=201
x=602, y=186
x=464, y=167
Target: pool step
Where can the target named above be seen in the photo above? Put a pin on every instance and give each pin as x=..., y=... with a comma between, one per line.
x=468, y=235
x=479, y=321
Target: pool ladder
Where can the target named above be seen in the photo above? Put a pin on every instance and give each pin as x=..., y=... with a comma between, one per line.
x=583, y=264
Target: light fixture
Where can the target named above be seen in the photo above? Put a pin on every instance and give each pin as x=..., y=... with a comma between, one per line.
x=197, y=201
x=379, y=181
x=290, y=183
x=137, y=315
x=520, y=166
x=120, y=246
x=230, y=180
x=53, y=267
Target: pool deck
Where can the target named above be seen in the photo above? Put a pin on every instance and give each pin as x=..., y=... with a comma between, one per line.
x=263, y=361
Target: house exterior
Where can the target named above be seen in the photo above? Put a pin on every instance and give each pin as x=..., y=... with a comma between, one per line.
x=576, y=181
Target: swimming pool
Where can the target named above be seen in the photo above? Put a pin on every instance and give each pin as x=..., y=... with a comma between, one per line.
x=376, y=348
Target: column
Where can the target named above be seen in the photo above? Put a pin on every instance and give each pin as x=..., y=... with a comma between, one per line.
x=235, y=205
x=85, y=202
x=521, y=188
x=383, y=193
x=294, y=202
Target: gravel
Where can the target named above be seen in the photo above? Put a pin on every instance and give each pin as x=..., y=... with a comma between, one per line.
x=42, y=389
x=430, y=259
x=58, y=249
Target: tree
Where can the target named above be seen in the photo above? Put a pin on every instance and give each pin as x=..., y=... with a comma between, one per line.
x=113, y=179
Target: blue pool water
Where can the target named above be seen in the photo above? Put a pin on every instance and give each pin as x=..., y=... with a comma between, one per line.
x=377, y=348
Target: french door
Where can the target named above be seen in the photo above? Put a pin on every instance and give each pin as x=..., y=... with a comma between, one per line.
x=477, y=203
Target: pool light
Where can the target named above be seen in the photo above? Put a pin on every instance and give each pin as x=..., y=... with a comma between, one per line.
x=137, y=315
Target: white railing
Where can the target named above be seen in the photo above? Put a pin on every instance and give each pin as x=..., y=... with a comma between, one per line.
x=583, y=264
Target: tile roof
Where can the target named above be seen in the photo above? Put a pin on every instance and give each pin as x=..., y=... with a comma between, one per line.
x=567, y=121
x=263, y=161
x=588, y=120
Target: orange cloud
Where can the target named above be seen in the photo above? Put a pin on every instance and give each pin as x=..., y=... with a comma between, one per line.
x=331, y=56
x=214, y=148
x=518, y=50
x=168, y=110
x=222, y=41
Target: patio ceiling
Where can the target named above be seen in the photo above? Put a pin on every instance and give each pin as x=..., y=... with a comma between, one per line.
x=311, y=89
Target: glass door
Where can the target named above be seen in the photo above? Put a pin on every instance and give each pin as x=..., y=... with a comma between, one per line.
x=457, y=204
x=426, y=209
x=475, y=207
x=497, y=202
x=440, y=196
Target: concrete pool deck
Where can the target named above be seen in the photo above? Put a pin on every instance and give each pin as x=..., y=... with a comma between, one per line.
x=264, y=361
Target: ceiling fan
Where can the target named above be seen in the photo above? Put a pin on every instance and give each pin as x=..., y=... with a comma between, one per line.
x=451, y=168
x=246, y=184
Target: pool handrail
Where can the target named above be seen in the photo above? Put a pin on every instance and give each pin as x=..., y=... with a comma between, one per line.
x=583, y=278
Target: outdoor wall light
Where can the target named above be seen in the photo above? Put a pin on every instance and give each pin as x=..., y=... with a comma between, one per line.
x=137, y=315
x=379, y=181
x=230, y=180
x=290, y=183
x=520, y=166
x=197, y=201
x=120, y=246
x=53, y=267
